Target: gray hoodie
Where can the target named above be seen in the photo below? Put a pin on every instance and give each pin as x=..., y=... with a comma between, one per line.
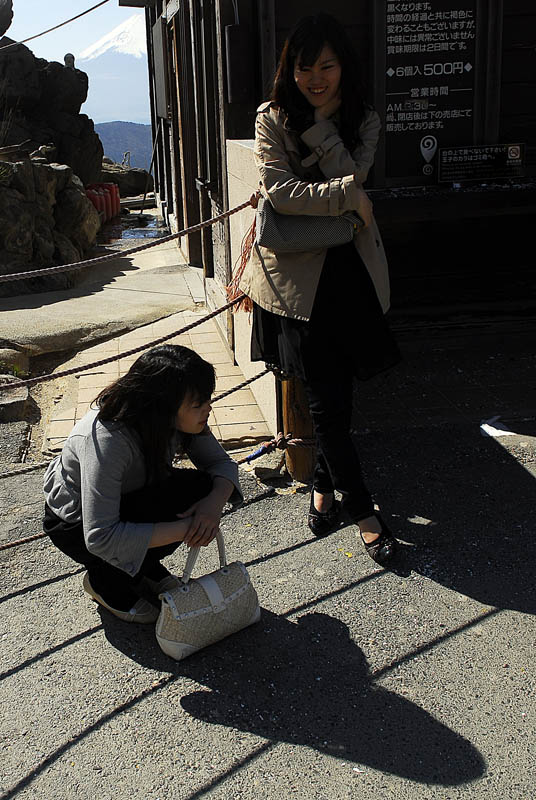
x=101, y=461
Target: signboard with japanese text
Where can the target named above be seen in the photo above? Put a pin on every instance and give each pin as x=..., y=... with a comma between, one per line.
x=481, y=162
x=430, y=53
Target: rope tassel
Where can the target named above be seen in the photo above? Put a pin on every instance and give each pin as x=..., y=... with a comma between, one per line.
x=233, y=289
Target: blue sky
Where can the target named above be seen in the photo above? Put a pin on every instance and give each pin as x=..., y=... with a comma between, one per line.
x=33, y=16
x=111, y=97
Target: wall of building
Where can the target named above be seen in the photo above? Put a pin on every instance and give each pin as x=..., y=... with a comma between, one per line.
x=243, y=180
x=518, y=78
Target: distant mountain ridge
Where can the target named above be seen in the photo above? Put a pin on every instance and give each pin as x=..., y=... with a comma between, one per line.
x=118, y=137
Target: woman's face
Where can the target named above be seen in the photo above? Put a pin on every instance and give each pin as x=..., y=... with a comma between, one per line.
x=319, y=83
x=192, y=415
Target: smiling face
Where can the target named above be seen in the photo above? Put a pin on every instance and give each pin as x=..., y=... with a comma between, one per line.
x=319, y=83
x=192, y=415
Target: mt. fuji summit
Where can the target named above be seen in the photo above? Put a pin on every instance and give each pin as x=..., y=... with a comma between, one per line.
x=118, y=76
x=128, y=38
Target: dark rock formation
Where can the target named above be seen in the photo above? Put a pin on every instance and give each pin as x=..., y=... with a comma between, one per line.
x=45, y=219
x=40, y=102
x=131, y=181
x=6, y=15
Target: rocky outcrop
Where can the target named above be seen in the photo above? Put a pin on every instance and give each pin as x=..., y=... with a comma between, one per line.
x=45, y=219
x=40, y=104
x=131, y=181
x=6, y=15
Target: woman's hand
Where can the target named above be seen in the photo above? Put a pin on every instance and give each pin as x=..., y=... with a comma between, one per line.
x=326, y=111
x=205, y=516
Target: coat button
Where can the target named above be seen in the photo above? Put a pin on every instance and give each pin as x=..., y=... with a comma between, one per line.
x=377, y=243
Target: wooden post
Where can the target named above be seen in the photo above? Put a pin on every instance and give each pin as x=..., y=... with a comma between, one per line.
x=297, y=420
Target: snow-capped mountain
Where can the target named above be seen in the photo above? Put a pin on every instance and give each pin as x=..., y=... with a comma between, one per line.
x=128, y=38
x=118, y=77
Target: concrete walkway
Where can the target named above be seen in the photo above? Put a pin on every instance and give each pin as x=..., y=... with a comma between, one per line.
x=236, y=420
x=139, y=298
x=113, y=298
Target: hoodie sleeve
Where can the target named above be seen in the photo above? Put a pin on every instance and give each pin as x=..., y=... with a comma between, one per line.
x=207, y=454
x=106, y=457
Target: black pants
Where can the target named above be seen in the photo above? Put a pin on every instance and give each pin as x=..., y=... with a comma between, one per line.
x=337, y=462
x=158, y=503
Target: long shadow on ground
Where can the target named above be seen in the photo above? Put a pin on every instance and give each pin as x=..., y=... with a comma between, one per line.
x=308, y=683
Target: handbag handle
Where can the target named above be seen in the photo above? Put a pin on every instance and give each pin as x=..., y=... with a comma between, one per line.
x=194, y=553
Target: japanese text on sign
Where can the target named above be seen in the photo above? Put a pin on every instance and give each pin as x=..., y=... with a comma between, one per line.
x=430, y=53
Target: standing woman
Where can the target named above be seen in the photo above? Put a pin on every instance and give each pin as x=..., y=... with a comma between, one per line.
x=115, y=504
x=319, y=315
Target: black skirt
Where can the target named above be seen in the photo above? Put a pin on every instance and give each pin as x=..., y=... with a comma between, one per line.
x=347, y=329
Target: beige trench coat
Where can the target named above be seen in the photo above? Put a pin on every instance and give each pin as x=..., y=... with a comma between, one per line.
x=328, y=182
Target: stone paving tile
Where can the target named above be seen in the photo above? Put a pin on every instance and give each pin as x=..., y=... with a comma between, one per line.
x=245, y=430
x=170, y=324
x=87, y=395
x=94, y=381
x=59, y=429
x=201, y=338
x=132, y=344
x=62, y=414
x=226, y=370
x=214, y=356
x=243, y=397
x=226, y=382
x=207, y=344
x=238, y=414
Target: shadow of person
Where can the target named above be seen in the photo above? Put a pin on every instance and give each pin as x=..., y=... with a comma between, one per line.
x=307, y=683
x=470, y=512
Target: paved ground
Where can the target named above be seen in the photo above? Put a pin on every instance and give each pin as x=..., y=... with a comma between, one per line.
x=358, y=682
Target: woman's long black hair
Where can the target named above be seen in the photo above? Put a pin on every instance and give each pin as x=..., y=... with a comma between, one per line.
x=305, y=43
x=148, y=397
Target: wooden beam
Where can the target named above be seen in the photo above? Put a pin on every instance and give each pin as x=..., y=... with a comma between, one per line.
x=297, y=421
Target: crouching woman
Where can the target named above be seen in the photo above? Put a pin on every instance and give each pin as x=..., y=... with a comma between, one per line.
x=113, y=501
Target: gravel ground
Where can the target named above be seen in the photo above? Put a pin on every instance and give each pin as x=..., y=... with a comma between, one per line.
x=357, y=683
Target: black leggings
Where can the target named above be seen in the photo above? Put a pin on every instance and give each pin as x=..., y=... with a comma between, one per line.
x=337, y=461
x=158, y=503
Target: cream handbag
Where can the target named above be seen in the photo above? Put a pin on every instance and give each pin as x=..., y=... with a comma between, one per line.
x=201, y=611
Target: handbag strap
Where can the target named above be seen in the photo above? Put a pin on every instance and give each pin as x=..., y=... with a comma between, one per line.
x=194, y=553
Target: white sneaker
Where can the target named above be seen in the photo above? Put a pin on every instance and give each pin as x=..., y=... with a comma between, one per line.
x=167, y=584
x=142, y=611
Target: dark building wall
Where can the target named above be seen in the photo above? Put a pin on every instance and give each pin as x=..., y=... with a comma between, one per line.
x=447, y=249
x=518, y=81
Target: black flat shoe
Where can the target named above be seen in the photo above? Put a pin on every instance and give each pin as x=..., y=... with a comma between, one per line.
x=323, y=522
x=383, y=548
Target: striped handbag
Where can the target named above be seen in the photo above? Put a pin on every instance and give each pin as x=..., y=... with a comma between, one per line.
x=201, y=611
